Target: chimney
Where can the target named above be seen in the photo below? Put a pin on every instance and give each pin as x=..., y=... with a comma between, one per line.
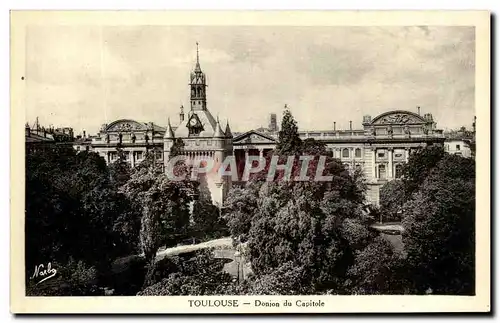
x=418, y=110
x=273, y=125
x=334, y=126
x=84, y=134
x=350, y=125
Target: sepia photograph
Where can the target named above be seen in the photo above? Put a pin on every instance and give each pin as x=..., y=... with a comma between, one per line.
x=219, y=161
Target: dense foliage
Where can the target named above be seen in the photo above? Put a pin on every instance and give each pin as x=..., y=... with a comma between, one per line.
x=206, y=219
x=103, y=225
x=436, y=198
x=439, y=227
x=199, y=275
x=296, y=230
x=74, y=210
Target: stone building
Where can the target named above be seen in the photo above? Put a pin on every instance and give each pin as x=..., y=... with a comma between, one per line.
x=202, y=135
x=460, y=142
x=379, y=147
x=38, y=137
x=132, y=137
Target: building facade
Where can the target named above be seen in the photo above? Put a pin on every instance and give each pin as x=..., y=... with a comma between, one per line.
x=379, y=148
x=133, y=138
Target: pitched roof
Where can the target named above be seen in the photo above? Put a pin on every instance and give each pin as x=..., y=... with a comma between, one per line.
x=207, y=120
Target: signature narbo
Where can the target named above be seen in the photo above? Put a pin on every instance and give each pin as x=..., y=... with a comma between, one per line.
x=45, y=274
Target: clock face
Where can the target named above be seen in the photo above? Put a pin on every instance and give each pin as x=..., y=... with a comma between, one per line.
x=193, y=122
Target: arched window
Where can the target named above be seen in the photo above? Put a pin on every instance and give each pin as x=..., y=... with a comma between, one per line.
x=357, y=153
x=399, y=170
x=382, y=172
x=345, y=152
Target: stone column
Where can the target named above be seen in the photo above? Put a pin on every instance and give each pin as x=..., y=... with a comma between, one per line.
x=246, y=154
x=374, y=166
x=390, y=170
x=407, y=154
x=261, y=152
x=132, y=158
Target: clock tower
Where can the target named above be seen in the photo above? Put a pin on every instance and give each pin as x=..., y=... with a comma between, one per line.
x=202, y=135
x=198, y=86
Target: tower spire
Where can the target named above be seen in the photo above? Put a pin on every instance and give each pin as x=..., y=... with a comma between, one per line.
x=228, y=132
x=218, y=131
x=198, y=86
x=169, y=133
x=197, y=68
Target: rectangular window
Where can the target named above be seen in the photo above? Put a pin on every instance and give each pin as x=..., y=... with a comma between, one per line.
x=458, y=147
x=381, y=172
x=139, y=155
x=381, y=154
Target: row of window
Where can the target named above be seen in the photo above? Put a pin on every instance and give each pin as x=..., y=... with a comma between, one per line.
x=139, y=155
x=197, y=142
x=381, y=153
x=346, y=153
x=382, y=171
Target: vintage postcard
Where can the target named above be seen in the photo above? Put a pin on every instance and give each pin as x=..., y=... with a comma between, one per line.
x=250, y=162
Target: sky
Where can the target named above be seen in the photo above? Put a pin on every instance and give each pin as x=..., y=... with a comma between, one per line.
x=86, y=76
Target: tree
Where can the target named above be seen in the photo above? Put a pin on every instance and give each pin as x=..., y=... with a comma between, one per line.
x=71, y=211
x=377, y=269
x=392, y=196
x=73, y=279
x=119, y=170
x=206, y=218
x=305, y=222
x=177, y=148
x=239, y=208
x=439, y=234
x=287, y=279
x=289, y=142
x=419, y=167
x=313, y=147
x=200, y=275
x=164, y=205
